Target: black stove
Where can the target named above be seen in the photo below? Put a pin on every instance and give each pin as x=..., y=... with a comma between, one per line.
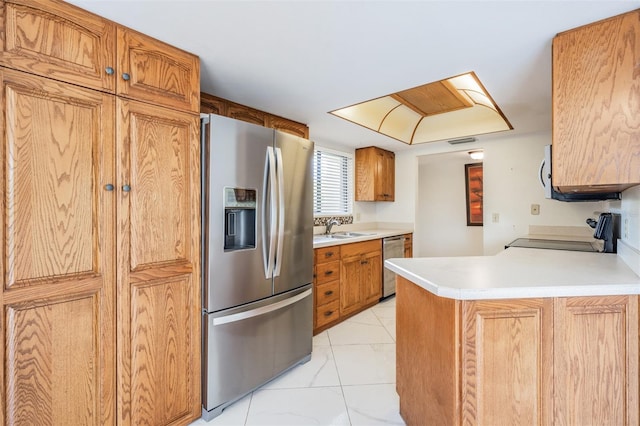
x=553, y=244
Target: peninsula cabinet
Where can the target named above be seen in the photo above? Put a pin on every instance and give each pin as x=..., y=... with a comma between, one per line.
x=375, y=174
x=101, y=239
x=596, y=132
x=545, y=361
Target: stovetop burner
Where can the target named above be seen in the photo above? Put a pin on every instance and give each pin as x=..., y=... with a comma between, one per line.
x=553, y=244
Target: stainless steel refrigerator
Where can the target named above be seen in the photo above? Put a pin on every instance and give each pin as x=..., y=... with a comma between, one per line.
x=257, y=257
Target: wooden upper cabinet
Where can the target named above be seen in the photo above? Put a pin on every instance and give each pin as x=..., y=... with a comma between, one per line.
x=250, y=115
x=287, y=126
x=158, y=260
x=375, y=174
x=596, y=124
x=152, y=71
x=210, y=104
x=57, y=344
x=57, y=40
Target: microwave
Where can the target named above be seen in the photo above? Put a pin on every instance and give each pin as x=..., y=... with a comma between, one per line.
x=549, y=192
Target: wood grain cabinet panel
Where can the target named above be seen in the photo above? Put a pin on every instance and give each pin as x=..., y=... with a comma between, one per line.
x=58, y=268
x=596, y=360
x=158, y=260
x=155, y=72
x=507, y=362
x=287, y=126
x=596, y=130
x=59, y=41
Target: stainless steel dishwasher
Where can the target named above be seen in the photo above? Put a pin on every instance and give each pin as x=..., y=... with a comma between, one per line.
x=392, y=247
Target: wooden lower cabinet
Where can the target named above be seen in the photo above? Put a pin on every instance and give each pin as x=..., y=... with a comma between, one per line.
x=348, y=279
x=361, y=276
x=596, y=360
x=520, y=361
x=507, y=361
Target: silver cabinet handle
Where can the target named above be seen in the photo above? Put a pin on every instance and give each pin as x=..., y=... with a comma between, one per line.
x=125, y=76
x=108, y=187
x=109, y=71
x=126, y=188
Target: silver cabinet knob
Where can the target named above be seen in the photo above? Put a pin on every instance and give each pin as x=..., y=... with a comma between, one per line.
x=109, y=70
x=108, y=187
x=126, y=188
x=125, y=76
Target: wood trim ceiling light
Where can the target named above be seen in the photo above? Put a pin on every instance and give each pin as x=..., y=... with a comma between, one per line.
x=447, y=109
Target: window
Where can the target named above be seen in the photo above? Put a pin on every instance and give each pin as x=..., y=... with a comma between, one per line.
x=332, y=182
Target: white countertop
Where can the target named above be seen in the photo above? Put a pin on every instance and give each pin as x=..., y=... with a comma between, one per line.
x=372, y=234
x=520, y=273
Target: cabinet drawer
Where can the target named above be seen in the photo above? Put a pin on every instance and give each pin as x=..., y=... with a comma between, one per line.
x=327, y=313
x=326, y=272
x=327, y=254
x=328, y=292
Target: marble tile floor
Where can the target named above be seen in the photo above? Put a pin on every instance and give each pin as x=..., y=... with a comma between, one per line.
x=350, y=380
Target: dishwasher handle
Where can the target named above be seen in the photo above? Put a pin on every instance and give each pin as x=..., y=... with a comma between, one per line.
x=392, y=239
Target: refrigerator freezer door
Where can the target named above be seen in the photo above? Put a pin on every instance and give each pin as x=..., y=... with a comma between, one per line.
x=247, y=346
x=235, y=158
x=294, y=264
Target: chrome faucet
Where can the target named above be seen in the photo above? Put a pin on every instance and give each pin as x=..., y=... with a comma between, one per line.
x=330, y=225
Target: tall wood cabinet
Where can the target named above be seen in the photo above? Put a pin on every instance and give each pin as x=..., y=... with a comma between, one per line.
x=375, y=174
x=596, y=132
x=100, y=204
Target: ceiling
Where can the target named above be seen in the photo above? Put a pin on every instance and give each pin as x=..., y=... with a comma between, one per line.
x=302, y=59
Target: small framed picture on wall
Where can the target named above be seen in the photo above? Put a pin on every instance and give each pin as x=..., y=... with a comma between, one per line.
x=473, y=180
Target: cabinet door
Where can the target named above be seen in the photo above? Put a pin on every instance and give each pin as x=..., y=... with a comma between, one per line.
x=58, y=40
x=596, y=360
x=155, y=72
x=371, y=277
x=385, y=176
x=507, y=362
x=596, y=127
x=287, y=126
x=58, y=266
x=158, y=265
x=350, y=292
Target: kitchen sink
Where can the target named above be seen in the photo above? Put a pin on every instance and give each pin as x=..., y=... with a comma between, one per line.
x=351, y=234
x=341, y=235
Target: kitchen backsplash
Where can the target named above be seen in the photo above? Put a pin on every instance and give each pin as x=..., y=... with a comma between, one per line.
x=342, y=220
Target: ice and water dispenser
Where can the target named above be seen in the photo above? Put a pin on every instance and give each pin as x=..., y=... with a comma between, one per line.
x=239, y=219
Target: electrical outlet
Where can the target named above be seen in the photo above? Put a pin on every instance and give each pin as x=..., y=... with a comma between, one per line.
x=495, y=217
x=535, y=209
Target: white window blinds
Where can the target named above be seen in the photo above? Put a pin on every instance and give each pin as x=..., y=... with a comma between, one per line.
x=332, y=182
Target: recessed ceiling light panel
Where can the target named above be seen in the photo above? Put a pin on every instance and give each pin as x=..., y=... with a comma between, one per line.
x=452, y=108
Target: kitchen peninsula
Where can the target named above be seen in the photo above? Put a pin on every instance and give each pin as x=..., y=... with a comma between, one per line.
x=527, y=336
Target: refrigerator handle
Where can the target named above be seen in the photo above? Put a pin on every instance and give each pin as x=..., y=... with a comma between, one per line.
x=268, y=254
x=261, y=311
x=280, y=177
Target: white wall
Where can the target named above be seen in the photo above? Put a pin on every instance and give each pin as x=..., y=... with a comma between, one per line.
x=441, y=218
x=510, y=187
x=630, y=217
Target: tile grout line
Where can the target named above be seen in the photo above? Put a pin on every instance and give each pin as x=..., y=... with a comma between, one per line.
x=344, y=399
